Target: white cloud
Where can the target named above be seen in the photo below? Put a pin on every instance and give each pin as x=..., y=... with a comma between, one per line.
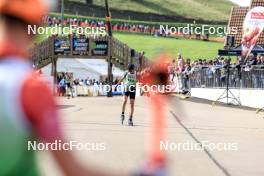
x=242, y=2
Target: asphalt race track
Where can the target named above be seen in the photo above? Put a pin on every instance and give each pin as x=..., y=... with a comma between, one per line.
x=96, y=121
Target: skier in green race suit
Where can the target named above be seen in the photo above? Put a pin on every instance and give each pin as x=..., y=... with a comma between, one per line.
x=130, y=80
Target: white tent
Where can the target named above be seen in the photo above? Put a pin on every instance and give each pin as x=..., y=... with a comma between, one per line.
x=83, y=68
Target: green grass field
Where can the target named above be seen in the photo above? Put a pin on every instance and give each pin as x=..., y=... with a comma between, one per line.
x=211, y=10
x=153, y=46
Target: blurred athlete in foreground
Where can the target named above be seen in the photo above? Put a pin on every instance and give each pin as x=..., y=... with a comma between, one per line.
x=27, y=108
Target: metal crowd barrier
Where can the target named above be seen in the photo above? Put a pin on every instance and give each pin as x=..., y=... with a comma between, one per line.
x=250, y=77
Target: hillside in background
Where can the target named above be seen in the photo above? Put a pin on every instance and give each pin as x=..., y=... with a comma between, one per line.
x=203, y=10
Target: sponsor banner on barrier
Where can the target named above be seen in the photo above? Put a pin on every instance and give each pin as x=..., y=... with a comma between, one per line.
x=252, y=28
x=80, y=46
x=100, y=48
x=62, y=46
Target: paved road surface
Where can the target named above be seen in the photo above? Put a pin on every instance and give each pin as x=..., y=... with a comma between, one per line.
x=96, y=120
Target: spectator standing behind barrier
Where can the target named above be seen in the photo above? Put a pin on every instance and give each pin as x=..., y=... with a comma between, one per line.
x=186, y=76
x=210, y=73
x=172, y=70
x=62, y=89
x=181, y=64
x=69, y=84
